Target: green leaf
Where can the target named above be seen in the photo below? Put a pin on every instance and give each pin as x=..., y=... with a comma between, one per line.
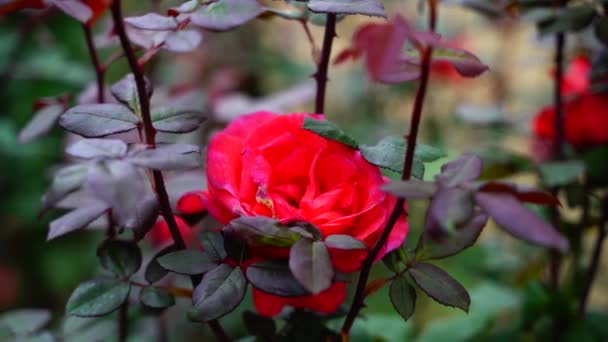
x=389, y=153
x=25, y=321
x=187, y=261
x=568, y=19
x=98, y=120
x=224, y=15
x=403, y=297
x=97, y=297
x=156, y=298
x=219, y=293
x=122, y=258
x=365, y=7
x=560, y=173
x=176, y=120
x=310, y=264
x=440, y=286
x=329, y=130
x=154, y=271
x=256, y=230
x=595, y=164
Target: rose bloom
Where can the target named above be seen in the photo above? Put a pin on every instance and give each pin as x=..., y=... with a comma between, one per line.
x=97, y=7
x=265, y=164
x=585, y=115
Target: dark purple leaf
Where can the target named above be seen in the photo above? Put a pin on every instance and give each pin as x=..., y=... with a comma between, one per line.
x=65, y=181
x=122, y=258
x=125, y=188
x=450, y=244
x=76, y=219
x=97, y=148
x=465, y=63
x=213, y=245
x=261, y=230
x=153, y=22
x=412, y=189
x=183, y=40
x=403, y=297
x=219, y=293
x=76, y=9
x=97, y=297
x=125, y=92
x=365, y=7
x=167, y=157
x=440, y=286
x=187, y=261
x=154, y=271
x=305, y=229
x=342, y=241
x=223, y=15
x=176, y=120
x=156, y=298
x=449, y=208
x=464, y=169
x=42, y=122
x=98, y=120
x=310, y=264
x=273, y=276
x=520, y=221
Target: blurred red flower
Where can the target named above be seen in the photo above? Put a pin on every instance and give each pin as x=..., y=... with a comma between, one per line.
x=585, y=115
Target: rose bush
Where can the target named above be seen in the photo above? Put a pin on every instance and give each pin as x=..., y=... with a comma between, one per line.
x=585, y=118
x=265, y=164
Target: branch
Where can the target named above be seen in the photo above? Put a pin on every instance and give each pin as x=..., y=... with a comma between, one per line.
x=150, y=139
x=359, y=298
x=321, y=74
x=595, y=259
x=99, y=70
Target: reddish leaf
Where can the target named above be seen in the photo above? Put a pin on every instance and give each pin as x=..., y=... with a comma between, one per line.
x=520, y=221
x=16, y=5
x=524, y=195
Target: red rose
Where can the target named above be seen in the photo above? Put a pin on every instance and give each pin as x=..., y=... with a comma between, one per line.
x=160, y=235
x=97, y=7
x=264, y=164
x=585, y=117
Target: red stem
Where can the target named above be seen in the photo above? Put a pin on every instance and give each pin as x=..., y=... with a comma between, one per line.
x=99, y=70
x=150, y=136
x=322, y=69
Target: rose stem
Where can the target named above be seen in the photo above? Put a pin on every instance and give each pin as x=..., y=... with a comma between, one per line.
x=558, y=153
x=150, y=136
x=595, y=259
x=123, y=321
x=321, y=74
x=99, y=70
x=358, y=300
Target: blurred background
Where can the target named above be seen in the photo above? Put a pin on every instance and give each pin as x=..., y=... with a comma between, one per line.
x=267, y=64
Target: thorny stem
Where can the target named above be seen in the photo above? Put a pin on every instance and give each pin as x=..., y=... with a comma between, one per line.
x=123, y=322
x=358, y=300
x=99, y=70
x=150, y=139
x=321, y=74
x=595, y=259
x=425, y=70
